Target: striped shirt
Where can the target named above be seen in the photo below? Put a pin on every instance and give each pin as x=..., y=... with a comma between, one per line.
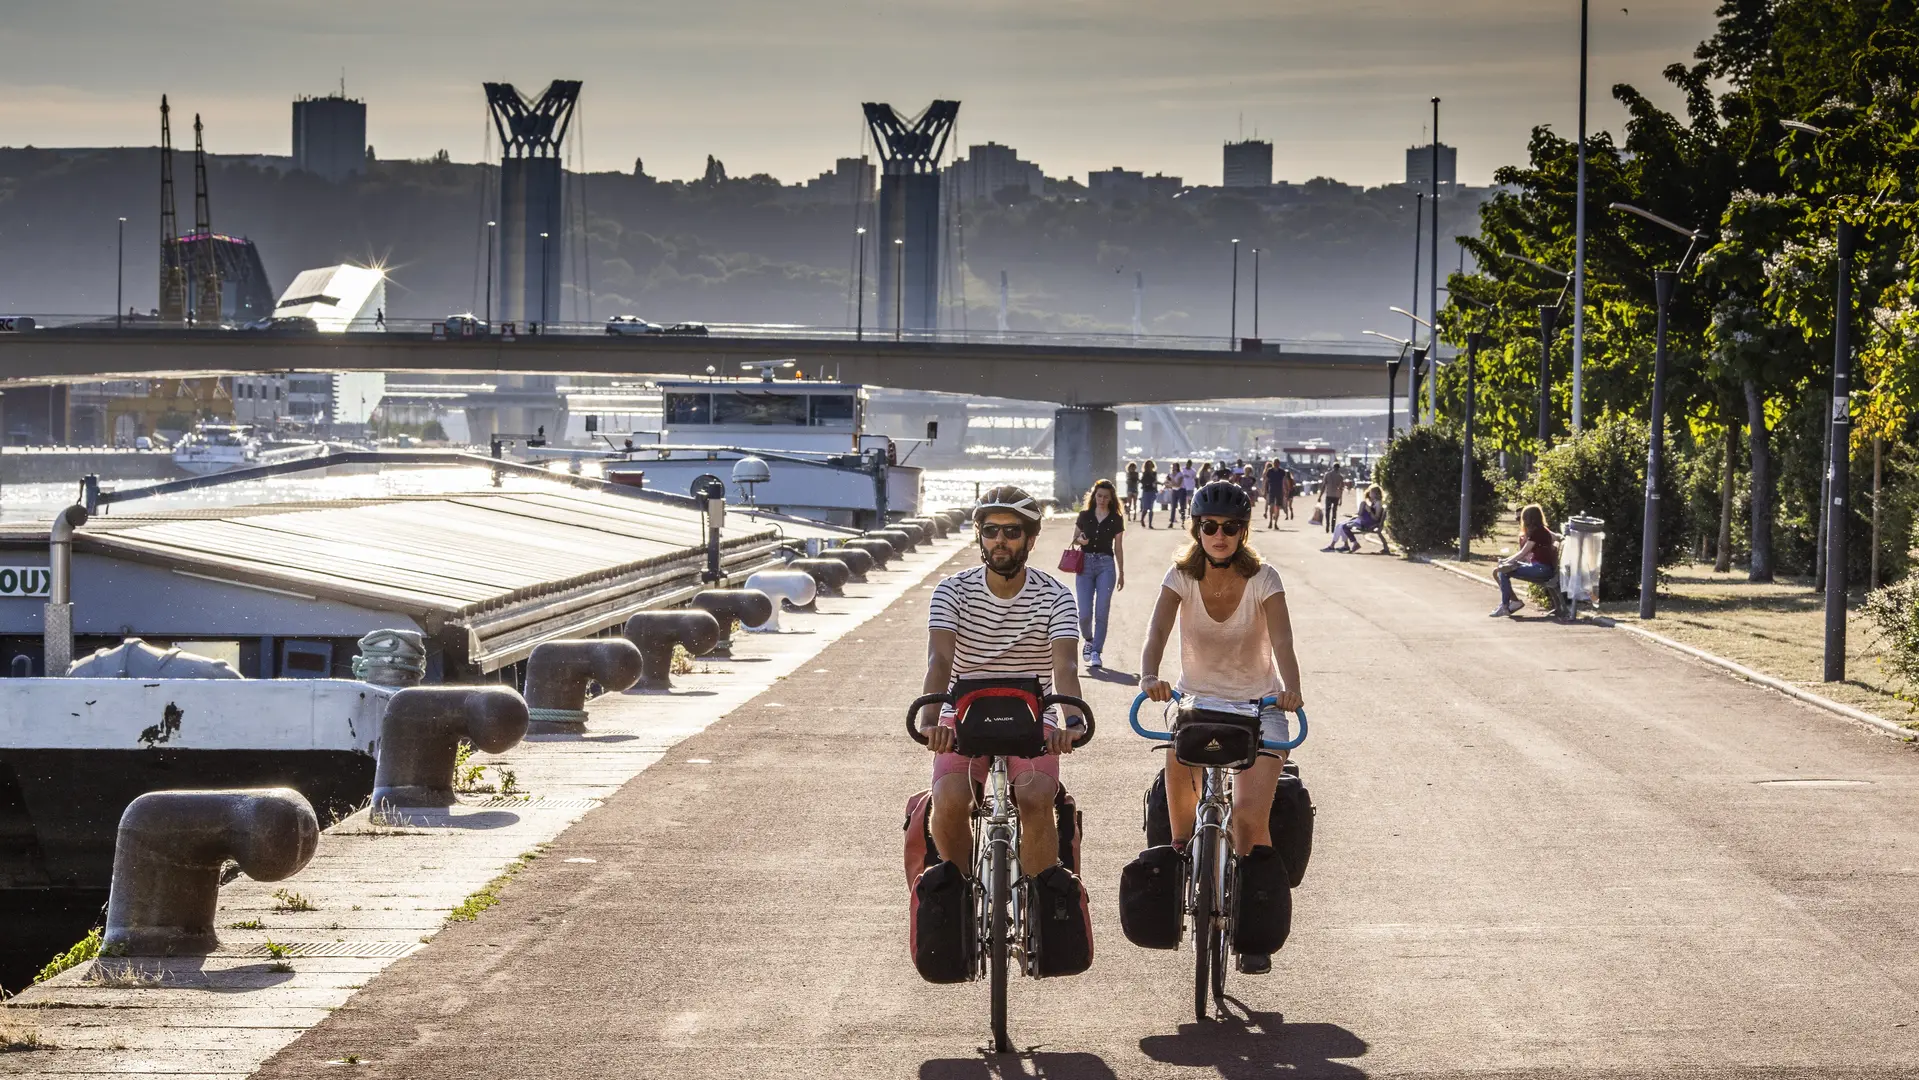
x=1004, y=637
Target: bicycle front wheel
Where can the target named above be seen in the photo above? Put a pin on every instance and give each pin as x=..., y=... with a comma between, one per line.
x=1203, y=926
x=999, y=901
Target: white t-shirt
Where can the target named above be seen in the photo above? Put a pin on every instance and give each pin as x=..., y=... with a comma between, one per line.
x=1188, y=479
x=1004, y=637
x=1231, y=659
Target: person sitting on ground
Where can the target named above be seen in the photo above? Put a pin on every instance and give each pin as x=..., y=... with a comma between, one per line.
x=1537, y=560
x=1371, y=518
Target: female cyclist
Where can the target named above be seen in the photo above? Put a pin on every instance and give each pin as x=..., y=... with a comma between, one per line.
x=1235, y=643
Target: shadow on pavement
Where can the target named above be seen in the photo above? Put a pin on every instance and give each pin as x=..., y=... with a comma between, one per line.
x=1259, y=1044
x=1035, y=1066
x=1108, y=675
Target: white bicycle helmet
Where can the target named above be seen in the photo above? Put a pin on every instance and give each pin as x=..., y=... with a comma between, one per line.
x=1010, y=499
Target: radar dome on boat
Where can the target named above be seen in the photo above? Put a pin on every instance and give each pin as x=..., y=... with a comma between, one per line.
x=751, y=470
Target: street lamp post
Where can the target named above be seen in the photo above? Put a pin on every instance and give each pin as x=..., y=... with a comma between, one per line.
x=859, y=304
x=1579, y=234
x=120, y=279
x=1392, y=375
x=1255, y=294
x=899, y=286
x=490, y=227
x=1424, y=360
x=1664, y=282
x=1432, y=275
x=1839, y=466
x=1233, y=333
x=1466, y=449
x=542, y=283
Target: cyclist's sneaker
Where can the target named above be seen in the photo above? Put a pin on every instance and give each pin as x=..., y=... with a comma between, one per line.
x=1062, y=927
x=1255, y=963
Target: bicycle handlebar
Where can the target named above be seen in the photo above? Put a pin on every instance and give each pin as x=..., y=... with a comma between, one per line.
x=921, y=702
x=1167, y=736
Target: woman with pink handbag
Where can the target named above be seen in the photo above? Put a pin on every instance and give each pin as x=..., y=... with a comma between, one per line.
x=1098, y=557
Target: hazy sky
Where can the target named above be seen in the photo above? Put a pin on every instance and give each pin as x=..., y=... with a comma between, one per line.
x=1342, y=87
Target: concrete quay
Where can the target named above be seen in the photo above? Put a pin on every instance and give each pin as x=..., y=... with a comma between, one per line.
x=381, y=888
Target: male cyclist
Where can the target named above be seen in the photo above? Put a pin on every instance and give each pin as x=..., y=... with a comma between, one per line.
x=1000, y=619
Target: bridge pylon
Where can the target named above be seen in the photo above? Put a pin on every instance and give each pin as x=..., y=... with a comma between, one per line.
x=531, y=189
x=909, y=223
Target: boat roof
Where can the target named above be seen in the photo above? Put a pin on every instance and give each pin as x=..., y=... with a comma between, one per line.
x=777, y=386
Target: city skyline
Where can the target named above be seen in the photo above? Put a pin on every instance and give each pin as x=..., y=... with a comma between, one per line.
x=1341, y=89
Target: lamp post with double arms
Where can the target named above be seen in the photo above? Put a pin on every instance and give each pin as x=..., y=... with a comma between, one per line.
x=1392, y=376
x=1232, y=334
x=859, y=319
x=1255, y=294
x=1664, y=282
x=1425, y=360
x=1548, y=323
x=899, y=286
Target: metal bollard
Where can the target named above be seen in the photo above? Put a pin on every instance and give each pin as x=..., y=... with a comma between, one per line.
x=167, y=858
x=880, y=551
x=557, y=673
x=788, y=589
x=750, y=606
x=937, y=527
x=421, y=733
x=958, y=517
x=656, y=632
x=829, y=575
x=856, y=560
x=904, y=540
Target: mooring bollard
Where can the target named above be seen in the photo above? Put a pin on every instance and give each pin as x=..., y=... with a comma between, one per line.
x=957, y=516
x=750, y=606
x=557, y=674
x=789, y=589
x=656, y=632
x=936, y=527
x=420, y=737
x=880, y=551
x=856, y=560
x=904, y=540
x=829, y=575
x=167, y=858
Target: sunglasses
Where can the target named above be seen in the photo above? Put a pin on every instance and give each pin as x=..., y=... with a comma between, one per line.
x=994, y=532
x=1230, y=528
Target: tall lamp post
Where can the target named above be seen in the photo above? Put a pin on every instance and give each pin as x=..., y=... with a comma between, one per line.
x=1427, y=361
x=1255, y=293
x=1839, y=439
x=120, y=278
x=542, y=283
x=1233, y=334
x=1548, y=322
x=1392, y=376
x=490, y=227
x=1664, y=282
x=1466, y=449
x=899, y=286
x=1579, y=235
x=859, y=304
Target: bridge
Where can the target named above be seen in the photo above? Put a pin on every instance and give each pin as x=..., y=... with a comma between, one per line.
x=1086, y=376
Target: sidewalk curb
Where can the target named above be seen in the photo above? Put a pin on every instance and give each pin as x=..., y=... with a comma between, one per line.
x=1904, y=734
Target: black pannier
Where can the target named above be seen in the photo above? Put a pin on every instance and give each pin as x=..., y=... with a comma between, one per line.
x=1262, y=902
x=1061, y=923
x=942, y=931
x=1152, y=898
x=1159, y=822
x=998, y=717
x=1206, y=737
x=1292, y=824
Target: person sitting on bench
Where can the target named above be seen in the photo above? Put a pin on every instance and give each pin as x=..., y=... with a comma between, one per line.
x=1370, y=519
x=1537, y=561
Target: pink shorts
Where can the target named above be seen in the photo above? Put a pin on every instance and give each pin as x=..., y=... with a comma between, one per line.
x=943, y=764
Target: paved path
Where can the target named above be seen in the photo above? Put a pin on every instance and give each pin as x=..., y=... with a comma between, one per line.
x=1542, y=851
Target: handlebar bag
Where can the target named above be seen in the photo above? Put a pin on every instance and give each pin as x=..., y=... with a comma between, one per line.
x=1216, y=734
x=998, y=717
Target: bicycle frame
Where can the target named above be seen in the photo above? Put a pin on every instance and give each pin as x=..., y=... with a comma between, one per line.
x=996, y=825
x=1213, y=824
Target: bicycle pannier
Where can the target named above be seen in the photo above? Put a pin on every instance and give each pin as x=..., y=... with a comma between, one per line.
x=1061, y=924
x=1292, y=824
x=1071, y=826
x=921, y=855
x=941, y=928
x=1206, y=737
x=1262, y=903
x=1152, y=898
x=1159, y=823
x=998, y=717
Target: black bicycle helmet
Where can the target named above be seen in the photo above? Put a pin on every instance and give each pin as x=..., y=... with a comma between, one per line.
x=1224, y=499
x=1010, y=499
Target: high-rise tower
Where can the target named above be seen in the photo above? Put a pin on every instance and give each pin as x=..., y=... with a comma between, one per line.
x=909, y=225
x=530, y=197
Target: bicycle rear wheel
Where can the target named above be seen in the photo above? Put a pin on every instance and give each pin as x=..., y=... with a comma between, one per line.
x=1203, y=928
x=999, y=901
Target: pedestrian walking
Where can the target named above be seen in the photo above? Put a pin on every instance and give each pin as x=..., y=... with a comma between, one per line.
x=1332, y=492
x=1099, y=532
x=1275, y=483
x=1132, y=487
x=1188, y=483
x=1148, y=492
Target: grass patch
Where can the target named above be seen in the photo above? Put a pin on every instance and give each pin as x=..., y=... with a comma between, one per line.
x=280, y=967
x=276, y=950
x=122, y=976
x=18, y=1037
x=247, y=924
x=87, y=948
x=489, y=894
x=288, y=900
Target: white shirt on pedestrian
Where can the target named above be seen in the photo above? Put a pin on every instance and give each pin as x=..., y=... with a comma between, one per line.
x=1230, y=659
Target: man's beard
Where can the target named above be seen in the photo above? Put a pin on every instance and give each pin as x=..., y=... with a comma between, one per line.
x=1006, y=565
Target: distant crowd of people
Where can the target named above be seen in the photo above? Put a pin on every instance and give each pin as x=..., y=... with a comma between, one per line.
x=1149, y=491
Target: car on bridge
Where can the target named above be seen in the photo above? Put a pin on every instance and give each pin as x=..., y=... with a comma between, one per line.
x=466, y=324
x=697, y=329
x=632, y=324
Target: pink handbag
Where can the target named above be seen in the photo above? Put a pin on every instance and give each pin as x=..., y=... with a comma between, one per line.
x=1071, y=560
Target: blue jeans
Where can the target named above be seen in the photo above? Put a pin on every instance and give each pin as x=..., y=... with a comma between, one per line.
x=1538, y=573
x=1094, y=591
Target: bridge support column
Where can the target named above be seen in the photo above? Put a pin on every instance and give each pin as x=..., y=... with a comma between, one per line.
x=1085, y=449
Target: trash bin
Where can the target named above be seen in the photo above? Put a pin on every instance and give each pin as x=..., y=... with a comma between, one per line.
x=1580, y=552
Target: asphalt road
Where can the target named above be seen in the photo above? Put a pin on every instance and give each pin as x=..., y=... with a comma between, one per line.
x=1543, y=851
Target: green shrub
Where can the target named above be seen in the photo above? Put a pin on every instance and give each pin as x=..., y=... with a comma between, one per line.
x=1894, y=612
x=1420, y=475
x=1601, y=472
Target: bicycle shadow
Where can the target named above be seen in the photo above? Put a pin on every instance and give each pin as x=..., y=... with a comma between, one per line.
x=1255, y=1044
x=1019, y=1066
x=1109, y=675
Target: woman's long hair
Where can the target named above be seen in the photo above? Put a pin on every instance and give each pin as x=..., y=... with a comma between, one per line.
x=1532, y=522
x=1192, y=560
x=1112, y=496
